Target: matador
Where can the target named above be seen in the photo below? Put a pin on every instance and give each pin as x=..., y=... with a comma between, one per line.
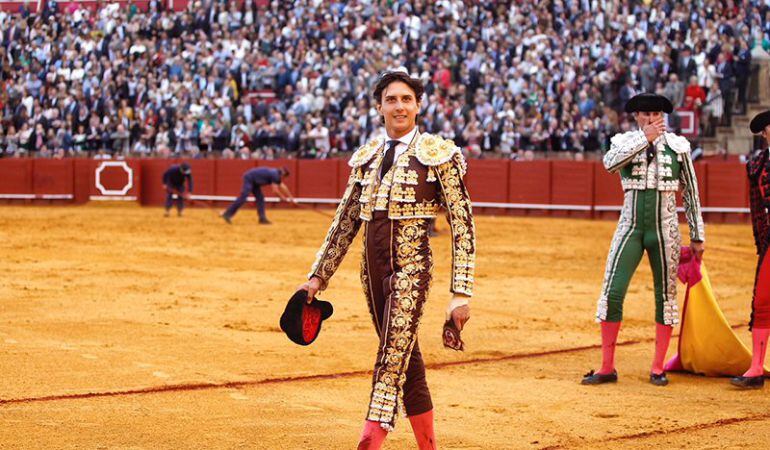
x=397, y=184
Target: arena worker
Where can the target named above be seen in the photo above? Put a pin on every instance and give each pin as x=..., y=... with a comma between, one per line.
x=253, y=180
x=174, y=183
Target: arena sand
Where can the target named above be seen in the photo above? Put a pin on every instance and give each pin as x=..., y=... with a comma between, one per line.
x=122, y=329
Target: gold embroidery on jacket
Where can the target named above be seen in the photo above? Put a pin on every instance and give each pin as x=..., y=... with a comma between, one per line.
x=377, y=193
x=369, y=183
x=461, y=221
x=413, y=210
x=383, y=191
x=341, y=233
x=400, y=193
x=404, y=176
x=434, y=150
x=366, y=152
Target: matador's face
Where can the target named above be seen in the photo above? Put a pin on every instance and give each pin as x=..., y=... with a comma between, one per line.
x=766, y=133
x=399, y=108
x=644, y=118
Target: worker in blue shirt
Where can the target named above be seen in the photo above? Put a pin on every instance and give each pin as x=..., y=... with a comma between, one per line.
x=253, y=180
x=173, y=181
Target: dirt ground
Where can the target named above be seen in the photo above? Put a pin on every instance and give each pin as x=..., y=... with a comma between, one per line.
x=122, y=329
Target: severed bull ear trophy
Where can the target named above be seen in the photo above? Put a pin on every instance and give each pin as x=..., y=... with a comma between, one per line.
x=451, y=336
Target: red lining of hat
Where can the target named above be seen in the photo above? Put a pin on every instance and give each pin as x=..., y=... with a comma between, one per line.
x=311, y=322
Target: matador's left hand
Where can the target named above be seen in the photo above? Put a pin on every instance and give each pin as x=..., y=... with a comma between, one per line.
x=461, y=315
x=458, y=310
x=697, y=249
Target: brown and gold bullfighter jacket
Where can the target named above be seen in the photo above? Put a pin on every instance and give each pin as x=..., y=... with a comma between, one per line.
x=426, y=177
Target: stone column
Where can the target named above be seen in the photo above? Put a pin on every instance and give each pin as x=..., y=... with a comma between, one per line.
x=762, y=58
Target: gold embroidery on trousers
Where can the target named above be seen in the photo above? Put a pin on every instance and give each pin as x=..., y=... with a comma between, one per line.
x=400, y=335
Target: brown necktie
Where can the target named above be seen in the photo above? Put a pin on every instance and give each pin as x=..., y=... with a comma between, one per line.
x=387, y=161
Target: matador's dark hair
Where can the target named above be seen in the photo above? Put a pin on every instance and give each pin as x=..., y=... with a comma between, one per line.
x=389, y=77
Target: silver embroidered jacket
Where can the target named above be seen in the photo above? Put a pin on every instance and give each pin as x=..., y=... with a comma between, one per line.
x=427, y=176
x=670, y=169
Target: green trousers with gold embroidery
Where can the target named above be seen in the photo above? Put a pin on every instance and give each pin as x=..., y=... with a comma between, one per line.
x=648, y=223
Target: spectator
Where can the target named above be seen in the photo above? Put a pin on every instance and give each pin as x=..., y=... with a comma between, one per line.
x=472, y=136
x=674, y=90
x=11, y=141
x=712, y=110
x=694, y=95
x=491, y=138
x=320, y=136
x=726, y=77
x=183, y=80
x=686, y=65
x=742, y=73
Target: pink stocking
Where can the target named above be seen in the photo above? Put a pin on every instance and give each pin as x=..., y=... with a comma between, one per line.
x=609, y=339
x=662, y=339
x=759, y=336
x=372, y=437
x=422, y=425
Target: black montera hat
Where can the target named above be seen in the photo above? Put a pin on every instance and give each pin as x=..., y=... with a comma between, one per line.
x=649, y=102
x=759, y=122
x=301, y=321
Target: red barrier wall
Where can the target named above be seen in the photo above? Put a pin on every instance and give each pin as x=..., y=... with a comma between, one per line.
x=553, y=188
x=529, y=182
x=726, y=186
x=83, y=180
x=15, y=176
x=317, y=178
x=204, y=178
x=52, y=177
x=487, y=181
x=572, y=183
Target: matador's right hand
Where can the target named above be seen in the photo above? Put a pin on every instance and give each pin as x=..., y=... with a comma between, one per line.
x=312, y=286
x=654, y=129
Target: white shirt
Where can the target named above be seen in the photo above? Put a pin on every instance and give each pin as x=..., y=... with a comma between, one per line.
x=403, y=143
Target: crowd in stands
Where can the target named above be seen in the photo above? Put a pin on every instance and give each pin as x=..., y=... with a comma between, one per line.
x=293, y=78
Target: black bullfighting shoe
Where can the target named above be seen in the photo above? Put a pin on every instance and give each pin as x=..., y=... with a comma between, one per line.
x=658, y=379
x=592, y=378
x=748, y=382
